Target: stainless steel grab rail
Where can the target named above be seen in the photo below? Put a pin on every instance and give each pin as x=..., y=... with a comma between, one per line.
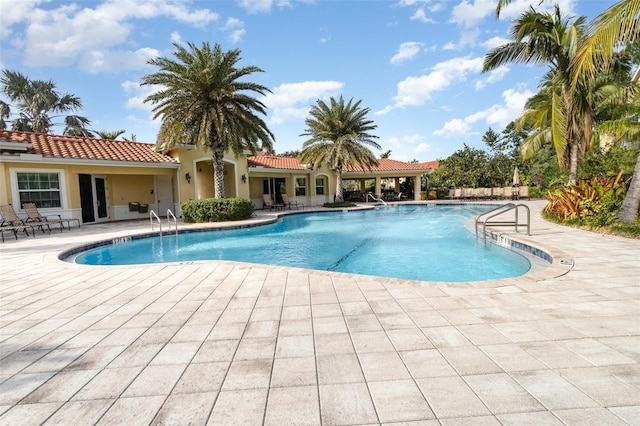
x=497, y=212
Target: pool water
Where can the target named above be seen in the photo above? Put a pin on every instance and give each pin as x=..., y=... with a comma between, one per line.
x=416, y=242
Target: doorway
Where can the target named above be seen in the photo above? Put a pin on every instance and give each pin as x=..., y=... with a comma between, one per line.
x=164, y=194
x=275, y=187
x=93, y=198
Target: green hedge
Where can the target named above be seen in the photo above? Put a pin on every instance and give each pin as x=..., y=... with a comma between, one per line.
x=216, y=210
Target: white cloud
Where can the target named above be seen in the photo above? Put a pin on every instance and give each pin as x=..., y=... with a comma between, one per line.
x=514, y=102
x=454, y=128
x=469, y=13
x=421, y=15
x=518, y=7
x=496, y=115
x=293, y=100
x=494, y=42
x=176, y=37
x=256, y=6
x=91, y=37
x=236, y=29
x=494, y=76
x=264, y=6
x=406, y=51
x=137, y=94
x=415, y=91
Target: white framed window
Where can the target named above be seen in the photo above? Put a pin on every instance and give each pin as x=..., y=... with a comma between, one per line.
x=301, y=186
x=320, y=186
x=44, y=187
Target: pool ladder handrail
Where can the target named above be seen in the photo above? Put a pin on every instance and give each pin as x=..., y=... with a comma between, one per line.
x=501, y=210
x=152, y=216
x=374, y=198
x=171, y=216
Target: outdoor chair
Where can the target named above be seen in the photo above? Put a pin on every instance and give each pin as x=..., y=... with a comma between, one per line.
x=33, y=215
x=291, y=204
x=11, y=222
x=267, y=202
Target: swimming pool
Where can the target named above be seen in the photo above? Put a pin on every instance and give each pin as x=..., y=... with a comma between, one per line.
x=416, y=242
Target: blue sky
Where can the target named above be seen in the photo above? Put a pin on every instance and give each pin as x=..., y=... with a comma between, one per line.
x=414, y=63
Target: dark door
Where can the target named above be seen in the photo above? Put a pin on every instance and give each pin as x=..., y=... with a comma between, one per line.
x=274, y=186
x=101, y=197
x=86, y=198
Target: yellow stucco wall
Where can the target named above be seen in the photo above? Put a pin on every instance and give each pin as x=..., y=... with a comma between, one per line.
x=124, y=184
x=197, y=162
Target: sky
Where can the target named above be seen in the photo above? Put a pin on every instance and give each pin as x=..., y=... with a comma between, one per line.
x=415, y=64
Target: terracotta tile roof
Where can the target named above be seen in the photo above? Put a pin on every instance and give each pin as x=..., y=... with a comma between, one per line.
x=292, y=163
x=389, y=165
x=431, y=165
x=275, y=162
x=73, y=147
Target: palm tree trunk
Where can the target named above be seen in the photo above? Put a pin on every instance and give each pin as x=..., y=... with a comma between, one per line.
x=573, y=167
x=629, y=211
x=218, y=172
x=339, y=197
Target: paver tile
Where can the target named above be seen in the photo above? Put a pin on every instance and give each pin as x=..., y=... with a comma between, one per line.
x=552, y=390
x=186, y=409
x=248, y=374
x=80, y=412
x=451, y=397
x=501, y=394
x=346, y=404
x=135, y=410
x=399, y=400
x=29, y=414
x=293, y=406
x=293, y=372
x=239, y=407
x=155, y=380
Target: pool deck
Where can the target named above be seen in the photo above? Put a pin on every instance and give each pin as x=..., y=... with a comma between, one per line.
x=235, y=343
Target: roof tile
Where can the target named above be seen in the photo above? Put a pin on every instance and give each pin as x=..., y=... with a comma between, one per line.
x=74, y=147
x=292, y=163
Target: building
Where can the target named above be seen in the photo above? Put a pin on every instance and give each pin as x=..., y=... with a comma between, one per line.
x=98, y=180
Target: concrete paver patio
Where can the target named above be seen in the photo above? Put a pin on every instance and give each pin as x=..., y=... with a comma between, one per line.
x=234, y=343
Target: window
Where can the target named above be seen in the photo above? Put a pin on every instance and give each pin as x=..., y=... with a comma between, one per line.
x=319, y=186
x=301, y=186
x=43, y=189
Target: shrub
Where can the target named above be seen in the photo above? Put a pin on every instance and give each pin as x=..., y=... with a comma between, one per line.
x=594, y=203
x=339, y=205
x=216, y=209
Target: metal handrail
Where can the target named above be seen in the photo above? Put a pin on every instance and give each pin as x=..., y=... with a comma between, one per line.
x=170, y=215
x=153, y=215
x=374, y=198
x=498, y=211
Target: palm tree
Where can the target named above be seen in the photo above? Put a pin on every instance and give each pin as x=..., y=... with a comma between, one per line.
x=338, y=135
x=203, y=102
x=36, y=101
x=617, y=25
x=386, y=154
x=110, y=134
x=545, y=38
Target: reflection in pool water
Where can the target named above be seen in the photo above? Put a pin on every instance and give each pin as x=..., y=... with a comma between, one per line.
x=417, y=242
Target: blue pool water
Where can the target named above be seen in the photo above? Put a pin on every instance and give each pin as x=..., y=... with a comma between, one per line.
x=416, y=242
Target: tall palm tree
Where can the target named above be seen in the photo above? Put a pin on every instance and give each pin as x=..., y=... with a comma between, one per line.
x=618, y=25
x=203, y=102
x=339, y=135
x=549, y=39
x=110, y=134
x=38, y=104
